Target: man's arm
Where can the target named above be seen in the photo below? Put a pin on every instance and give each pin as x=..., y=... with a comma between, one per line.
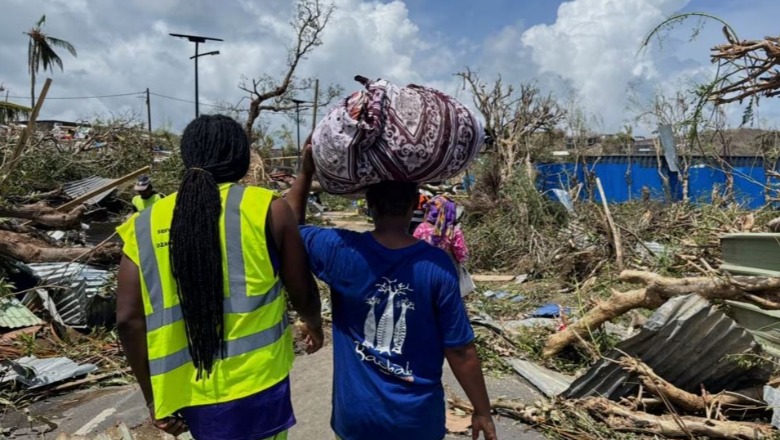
x=299, y=192
x=295, y=271
x=465, y=364
x=131, y=324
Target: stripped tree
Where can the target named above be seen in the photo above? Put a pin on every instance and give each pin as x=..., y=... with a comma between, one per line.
x=268, y=93
x=513, y=119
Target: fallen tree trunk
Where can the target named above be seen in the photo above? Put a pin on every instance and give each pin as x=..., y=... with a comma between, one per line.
x=765, y=292
x=688, y=402
x=27, y=249
x=671, y=426
x=45, y=215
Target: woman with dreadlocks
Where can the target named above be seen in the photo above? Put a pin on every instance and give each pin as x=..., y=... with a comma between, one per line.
x=200, y=308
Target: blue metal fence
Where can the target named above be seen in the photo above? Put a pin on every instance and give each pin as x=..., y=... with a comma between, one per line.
x=625, y=178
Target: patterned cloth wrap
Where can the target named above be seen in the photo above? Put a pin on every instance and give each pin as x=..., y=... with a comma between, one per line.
x=441, y=214
x=386, y=132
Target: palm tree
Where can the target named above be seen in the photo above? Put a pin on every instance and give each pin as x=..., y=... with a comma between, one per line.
x=40, y=51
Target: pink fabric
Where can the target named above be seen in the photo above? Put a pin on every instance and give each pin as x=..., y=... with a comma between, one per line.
x=455, y=246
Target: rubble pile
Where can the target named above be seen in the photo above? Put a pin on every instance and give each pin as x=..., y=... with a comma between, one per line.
x=682, y=348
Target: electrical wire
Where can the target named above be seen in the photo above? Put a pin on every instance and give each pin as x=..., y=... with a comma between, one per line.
x=86, y=97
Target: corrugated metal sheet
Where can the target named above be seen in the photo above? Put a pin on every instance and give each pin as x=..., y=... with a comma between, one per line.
x=13, y=314
x=687, y=342
x=751, y=254
x=550, y=383
x=34, y=372
x=78, y=283
x=84, y=186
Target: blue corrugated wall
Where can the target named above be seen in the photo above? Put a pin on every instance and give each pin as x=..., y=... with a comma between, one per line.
x=624, y=177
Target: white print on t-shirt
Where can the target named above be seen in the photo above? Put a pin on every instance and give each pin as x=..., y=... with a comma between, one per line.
x=387, y=336
x=381, y=336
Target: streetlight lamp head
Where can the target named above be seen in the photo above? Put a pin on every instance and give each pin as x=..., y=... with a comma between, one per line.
x=298, y=101
x=214, y=52
x=195, y=38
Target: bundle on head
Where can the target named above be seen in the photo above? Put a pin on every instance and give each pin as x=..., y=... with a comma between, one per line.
x=215, y=150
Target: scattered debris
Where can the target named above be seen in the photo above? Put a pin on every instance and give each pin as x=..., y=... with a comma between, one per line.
x=520, y=279
x=689, y=343
x=501, y=294
x=71, y=292
x=36, y=373
x=550, y=383
x=764, y=325
x=13, y=314
x=550, y=311
x=658, y=290
x=772, y=398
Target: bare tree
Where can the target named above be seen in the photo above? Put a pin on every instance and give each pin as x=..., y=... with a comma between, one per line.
x=268, y=93
x=513, y=118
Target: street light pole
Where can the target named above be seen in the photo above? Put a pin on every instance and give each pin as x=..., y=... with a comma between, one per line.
x=197, y=40
x=197, y=95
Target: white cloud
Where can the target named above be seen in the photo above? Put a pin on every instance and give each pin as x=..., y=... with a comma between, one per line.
x=593, y=44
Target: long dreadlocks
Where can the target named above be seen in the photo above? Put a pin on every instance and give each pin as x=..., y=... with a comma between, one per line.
x=214, y=149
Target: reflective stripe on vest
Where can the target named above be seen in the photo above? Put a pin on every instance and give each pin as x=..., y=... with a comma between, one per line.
x=236, y=302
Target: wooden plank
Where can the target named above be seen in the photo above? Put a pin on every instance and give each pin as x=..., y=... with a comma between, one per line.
x=488, y=278
x=612, y=227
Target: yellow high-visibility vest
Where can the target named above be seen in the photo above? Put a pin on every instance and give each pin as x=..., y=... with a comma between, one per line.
x=258, y=342
x=141, y=203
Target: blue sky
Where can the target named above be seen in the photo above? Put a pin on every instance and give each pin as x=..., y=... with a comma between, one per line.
x=580, y=50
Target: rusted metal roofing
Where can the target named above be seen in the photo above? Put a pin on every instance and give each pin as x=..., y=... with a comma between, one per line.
x=84, y=186
x=70, y=289
x=34, y=372
x=687, y=342
x=13, y=314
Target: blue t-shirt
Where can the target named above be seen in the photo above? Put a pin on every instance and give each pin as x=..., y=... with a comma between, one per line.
x=394, y=313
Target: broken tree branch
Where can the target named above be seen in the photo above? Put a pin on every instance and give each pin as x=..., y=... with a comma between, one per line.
x=684, y=400
x=659, y=289
x=670, y=426
x=45, y=215
x=27, y=249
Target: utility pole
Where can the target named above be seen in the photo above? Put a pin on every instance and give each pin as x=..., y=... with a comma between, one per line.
x=316, y=102
x=298, y=103
x=149, y=119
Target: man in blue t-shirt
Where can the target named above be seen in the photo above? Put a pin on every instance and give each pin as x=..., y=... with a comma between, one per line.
x=397, y=313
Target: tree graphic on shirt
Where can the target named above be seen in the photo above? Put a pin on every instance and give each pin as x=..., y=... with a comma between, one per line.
x=400, y=328
x=369, y=327
x=387, y=321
